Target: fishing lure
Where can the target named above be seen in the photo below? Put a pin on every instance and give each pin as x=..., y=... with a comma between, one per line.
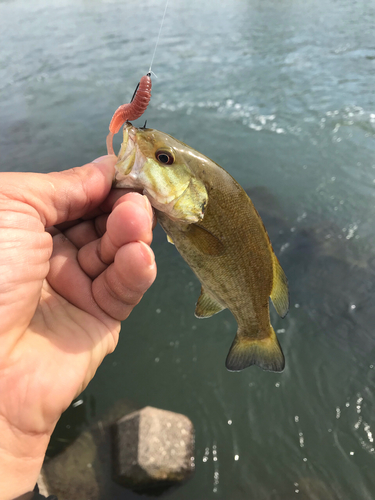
x=138, y=105
x=130, y=111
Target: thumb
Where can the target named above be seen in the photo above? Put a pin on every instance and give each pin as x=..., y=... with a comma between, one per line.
x=60, y=196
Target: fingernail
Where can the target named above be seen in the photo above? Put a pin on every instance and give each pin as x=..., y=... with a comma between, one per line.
x=148, y=207
x=101, y=158
x=147, y=202
x=147, y=254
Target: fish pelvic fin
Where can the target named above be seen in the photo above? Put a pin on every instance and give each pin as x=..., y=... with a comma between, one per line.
x=169, y=239
x=280, y=293
x=246, y=351
x=207, y=306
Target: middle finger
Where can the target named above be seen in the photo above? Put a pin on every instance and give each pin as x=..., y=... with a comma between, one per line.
x=86, y=231
x=131, y=220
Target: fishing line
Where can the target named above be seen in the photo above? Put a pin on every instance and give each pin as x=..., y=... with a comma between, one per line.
x=139, y=102
x=157, y=41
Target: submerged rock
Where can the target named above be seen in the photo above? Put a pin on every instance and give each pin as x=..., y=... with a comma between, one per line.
x=83, y=470
x=315, y=489
x=147, y=450
x=153, y=449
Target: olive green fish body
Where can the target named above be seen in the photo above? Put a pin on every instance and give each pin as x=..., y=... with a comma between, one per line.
x=222, y=238
x=231, y=260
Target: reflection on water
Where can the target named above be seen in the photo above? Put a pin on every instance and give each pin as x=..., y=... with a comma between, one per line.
x=281, y=95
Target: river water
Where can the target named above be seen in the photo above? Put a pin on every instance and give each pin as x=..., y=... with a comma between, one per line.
x=281, y=94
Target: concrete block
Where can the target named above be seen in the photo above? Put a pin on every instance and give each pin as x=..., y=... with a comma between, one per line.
x=153, y=449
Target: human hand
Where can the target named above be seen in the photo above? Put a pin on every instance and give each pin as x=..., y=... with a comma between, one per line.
x=63, y=293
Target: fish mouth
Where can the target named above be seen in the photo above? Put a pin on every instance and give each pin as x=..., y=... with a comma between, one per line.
x=130, y=161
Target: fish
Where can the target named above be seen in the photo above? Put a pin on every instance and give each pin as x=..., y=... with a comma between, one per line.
x=215, y=227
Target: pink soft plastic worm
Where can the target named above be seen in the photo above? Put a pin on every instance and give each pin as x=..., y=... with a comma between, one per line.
x=131, y=110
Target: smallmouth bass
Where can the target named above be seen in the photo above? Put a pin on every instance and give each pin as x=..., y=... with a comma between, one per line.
x=217, y=230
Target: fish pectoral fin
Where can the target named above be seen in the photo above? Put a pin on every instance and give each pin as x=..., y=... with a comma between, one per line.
x=169, y=239
x=207, y=306
x=204, y=240
x=247, y=350
x=280, y=293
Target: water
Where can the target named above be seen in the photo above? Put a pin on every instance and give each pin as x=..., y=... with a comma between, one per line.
x=282, y=96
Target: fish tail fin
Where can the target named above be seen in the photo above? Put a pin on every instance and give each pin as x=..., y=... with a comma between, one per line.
x=247, y=350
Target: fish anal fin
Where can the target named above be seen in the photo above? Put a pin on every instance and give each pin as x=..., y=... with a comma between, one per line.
x=279, y=294
x=204, y=240
x=207, y=306
x=246, y=351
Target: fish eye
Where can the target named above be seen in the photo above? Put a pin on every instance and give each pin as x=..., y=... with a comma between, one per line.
x=164, y=157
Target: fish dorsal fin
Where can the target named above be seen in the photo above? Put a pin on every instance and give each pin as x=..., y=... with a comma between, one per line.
x=207, y=306
x=279, y=294
x=205, y=241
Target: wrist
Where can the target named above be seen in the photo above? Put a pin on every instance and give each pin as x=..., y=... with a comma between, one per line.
x=21, y=459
